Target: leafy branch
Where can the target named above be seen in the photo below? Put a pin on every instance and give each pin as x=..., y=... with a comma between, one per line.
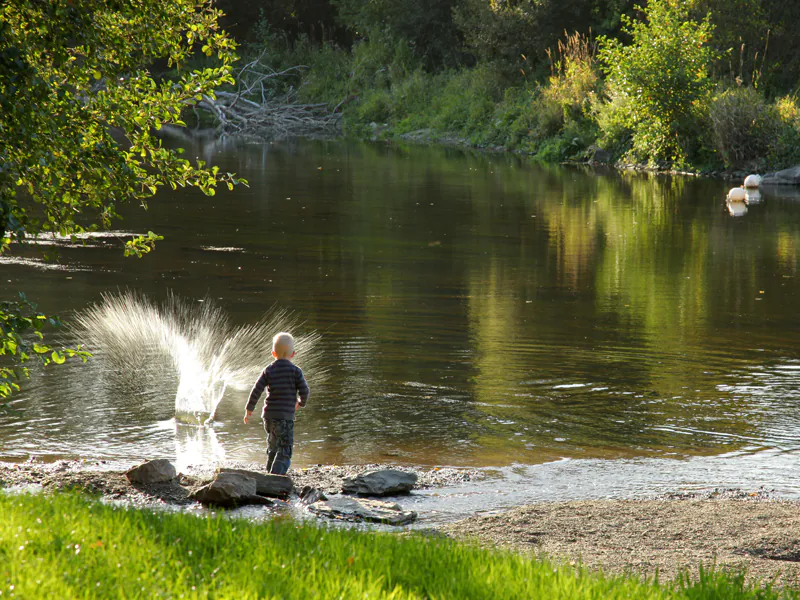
x=21, y=340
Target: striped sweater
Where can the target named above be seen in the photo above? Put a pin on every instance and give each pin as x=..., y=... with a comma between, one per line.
x=284, y=381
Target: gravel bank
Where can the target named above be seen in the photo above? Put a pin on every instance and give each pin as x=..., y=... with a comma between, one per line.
x=730, y=529
x=97, y=478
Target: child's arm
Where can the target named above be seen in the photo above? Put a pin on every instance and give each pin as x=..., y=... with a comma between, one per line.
x=302, y=388
x=255, y=394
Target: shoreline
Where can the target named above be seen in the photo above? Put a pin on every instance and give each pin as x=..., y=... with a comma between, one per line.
x=731, y=530
x=98, y=477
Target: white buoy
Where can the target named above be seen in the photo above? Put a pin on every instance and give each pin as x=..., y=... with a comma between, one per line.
x=737, y=195
x=752, y=181
x=737, y=209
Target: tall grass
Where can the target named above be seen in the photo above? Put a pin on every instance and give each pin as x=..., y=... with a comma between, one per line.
x=67, y=546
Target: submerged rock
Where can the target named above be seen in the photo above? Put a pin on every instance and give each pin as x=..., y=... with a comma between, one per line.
x=152, y=471
x=386, y=482
x=362, y=509
x=275, y=486
x=228, y=490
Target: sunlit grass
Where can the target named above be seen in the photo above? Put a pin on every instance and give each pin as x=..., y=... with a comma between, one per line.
x=66, y=546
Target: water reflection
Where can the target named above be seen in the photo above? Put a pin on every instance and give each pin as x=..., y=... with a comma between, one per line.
x=737, y=209
x=195, y=445
x=474, y=310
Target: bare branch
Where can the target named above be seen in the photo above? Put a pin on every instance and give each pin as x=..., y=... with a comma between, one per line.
x=251, y=111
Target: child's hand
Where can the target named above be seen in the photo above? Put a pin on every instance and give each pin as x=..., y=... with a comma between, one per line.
x=247, y=414
x=297, y=406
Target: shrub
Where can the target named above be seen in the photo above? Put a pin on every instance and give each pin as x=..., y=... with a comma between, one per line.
x=745, y=127
x=573, y=78
x=375, y=106
x=785, y=149
x=327, y=79
x=660, y=79
x=467, y=100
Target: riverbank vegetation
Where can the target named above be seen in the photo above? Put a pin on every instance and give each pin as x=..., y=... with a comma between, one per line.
x=684, y=84
x=67, y=546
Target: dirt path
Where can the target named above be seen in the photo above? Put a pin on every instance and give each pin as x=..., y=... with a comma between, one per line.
x=732, y=530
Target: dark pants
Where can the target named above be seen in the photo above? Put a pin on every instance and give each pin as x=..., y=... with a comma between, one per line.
x=280, y=439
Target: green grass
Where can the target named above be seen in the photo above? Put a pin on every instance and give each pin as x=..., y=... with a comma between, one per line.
x=68, y=546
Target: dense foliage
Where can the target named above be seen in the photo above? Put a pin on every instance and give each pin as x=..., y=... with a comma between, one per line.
x=78, y=107
x=495, y=74
x=660, y=80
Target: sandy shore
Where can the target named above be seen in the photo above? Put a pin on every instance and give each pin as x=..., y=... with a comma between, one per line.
x=731, y=530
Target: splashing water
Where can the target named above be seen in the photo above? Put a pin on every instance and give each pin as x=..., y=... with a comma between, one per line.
x=188, y=345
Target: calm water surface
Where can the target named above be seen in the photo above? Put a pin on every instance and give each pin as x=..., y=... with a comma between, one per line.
x=476, y=310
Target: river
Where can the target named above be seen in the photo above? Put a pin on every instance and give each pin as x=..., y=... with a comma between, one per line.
x=476, y=310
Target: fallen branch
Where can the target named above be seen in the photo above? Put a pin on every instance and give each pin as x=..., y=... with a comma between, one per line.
x=252, y=111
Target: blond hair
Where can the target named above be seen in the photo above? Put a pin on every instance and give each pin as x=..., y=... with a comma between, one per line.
x=283, y=345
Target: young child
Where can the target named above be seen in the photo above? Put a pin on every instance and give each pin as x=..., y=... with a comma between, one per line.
x=284, y=382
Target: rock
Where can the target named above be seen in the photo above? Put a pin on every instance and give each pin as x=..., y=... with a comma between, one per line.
x=228, y=490
x=362, y=509
x=599, y=155
x=309, y=495
x=152, y=471
x=275, y=486
x=380, y=483
x=786, y=177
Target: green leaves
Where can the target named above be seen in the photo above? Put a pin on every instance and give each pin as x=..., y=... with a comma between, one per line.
x=20, y=332
x=659, y=79
x=142, y=244
x=78, y=108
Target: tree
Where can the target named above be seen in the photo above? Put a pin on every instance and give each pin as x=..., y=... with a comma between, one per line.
x=78, y=108
x=660, y=79
x=426, y=26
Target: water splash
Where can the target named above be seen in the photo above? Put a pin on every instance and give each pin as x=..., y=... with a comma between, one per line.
x=191, y=347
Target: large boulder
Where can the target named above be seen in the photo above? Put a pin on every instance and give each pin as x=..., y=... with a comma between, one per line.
x=362, y=509
x=786, y=177
x=274, y=486
x=152, y=471
x=386, y=482
x=228, y=490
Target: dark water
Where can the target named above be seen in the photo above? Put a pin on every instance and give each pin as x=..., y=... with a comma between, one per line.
x=476, y=310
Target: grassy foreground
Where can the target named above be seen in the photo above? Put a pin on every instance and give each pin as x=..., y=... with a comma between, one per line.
x=67, y=546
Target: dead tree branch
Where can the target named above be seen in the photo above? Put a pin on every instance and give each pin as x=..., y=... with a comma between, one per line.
x=255, y=110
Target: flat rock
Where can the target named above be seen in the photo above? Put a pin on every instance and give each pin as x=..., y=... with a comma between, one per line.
x=789, y=176
x=228, y=490
x=274, y=486
x=152, y=471
x=386, y=482
x=363, y=509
